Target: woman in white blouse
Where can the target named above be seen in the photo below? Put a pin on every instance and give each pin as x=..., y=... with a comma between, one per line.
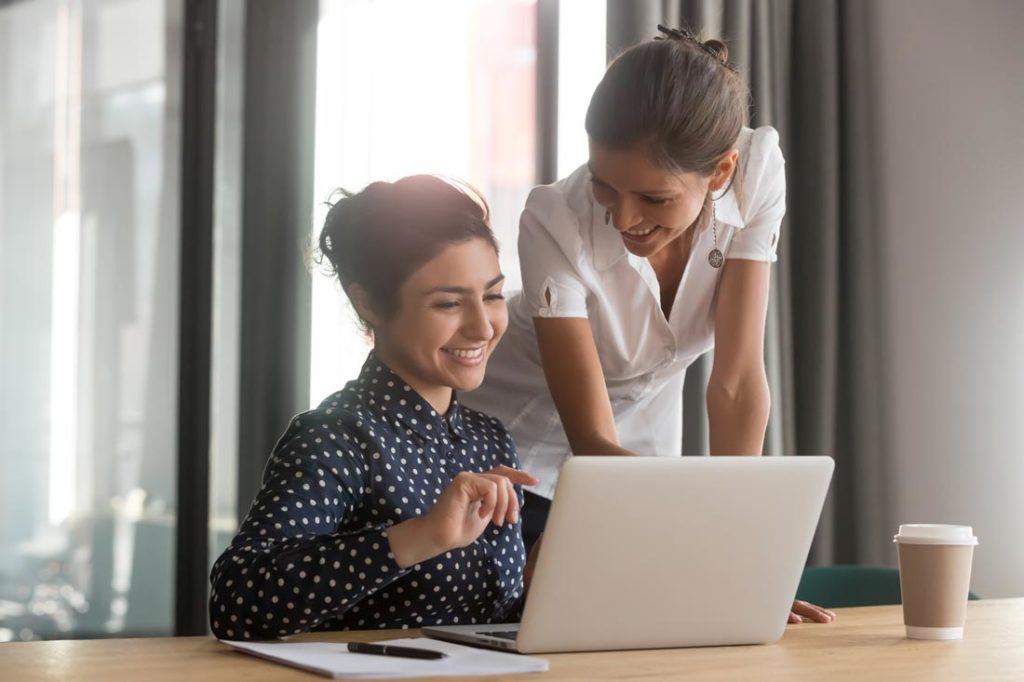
x=654, y=252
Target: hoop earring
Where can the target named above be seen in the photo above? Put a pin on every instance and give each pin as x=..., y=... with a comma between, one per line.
x=607, y=216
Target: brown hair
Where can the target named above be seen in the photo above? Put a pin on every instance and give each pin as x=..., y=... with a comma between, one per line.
x=677, y=98
x=378, y=237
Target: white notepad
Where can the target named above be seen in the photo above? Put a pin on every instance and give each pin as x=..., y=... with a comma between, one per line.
x=334, y=660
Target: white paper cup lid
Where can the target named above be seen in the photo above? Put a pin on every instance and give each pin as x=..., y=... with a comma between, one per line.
x=935, y=534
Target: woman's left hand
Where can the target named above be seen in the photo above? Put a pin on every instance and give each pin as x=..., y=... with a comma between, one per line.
x=806, y=612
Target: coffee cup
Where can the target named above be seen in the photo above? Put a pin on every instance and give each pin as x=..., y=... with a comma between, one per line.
x=935, y=576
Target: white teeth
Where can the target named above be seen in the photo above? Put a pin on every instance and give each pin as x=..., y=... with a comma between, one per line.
x=468, y=354
x=640, y=233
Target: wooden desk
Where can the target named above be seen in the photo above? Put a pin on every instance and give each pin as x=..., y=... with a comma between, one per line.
x=865, y=644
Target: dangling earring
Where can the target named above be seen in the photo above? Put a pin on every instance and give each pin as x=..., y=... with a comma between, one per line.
x=715, y=258
x=607, y=216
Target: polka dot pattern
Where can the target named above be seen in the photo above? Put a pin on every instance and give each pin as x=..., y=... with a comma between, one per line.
x=313, y=551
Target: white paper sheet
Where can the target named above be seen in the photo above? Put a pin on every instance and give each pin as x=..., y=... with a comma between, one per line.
x=334, y=660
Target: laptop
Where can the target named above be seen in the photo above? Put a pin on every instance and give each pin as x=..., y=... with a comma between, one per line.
x=662, y=552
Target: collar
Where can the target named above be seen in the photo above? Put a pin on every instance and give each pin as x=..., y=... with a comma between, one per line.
x=727, y=206
x=389, y=393
x=606, y=244
x=727, y=209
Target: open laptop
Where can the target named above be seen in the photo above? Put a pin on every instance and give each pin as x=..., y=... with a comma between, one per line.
x=656, y=552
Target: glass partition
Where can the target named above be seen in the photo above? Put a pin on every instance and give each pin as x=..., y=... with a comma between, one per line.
x=89, y=193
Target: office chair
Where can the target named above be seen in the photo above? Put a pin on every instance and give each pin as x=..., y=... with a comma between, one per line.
x=851, y=585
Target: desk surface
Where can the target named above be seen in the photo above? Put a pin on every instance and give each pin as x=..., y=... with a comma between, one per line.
x=865, y=643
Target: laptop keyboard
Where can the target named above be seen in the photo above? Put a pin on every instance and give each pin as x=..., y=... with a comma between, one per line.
x=503, y=634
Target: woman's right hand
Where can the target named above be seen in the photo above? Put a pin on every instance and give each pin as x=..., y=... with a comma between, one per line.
x=472, y=501
x=468, y=504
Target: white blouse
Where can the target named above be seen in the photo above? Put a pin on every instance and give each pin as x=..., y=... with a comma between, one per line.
x=566, y=248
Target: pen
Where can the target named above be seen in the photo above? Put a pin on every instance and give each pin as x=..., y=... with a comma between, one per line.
x=389, y=650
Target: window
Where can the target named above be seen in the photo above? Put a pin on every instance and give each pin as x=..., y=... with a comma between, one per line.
x=404, y=87
x=89, y=143
x=90, y=140
x=450, y=87
x=581, y=60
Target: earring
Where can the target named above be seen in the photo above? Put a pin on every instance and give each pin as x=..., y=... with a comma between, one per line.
x=715, y=258
x=607, y=216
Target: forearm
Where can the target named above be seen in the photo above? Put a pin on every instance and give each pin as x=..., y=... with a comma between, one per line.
x=595, y=444
x=738, y=416
x=289, y=568
x=575, y=378
x=413, y=541
x=268, y=588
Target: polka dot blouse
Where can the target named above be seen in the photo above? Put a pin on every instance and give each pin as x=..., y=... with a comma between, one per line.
x=313, y=551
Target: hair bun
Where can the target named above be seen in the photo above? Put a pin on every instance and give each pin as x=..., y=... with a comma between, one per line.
x=717, y=49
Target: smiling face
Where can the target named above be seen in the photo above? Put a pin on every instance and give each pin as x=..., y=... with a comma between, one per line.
x=450, y=316
x=650, y=207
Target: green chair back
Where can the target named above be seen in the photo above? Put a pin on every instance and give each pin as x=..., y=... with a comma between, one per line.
x=841, y=586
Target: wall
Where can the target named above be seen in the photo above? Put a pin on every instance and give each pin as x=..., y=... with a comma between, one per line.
x=949, y=109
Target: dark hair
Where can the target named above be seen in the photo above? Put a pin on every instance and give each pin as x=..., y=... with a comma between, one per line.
x=677, y=98
x=378, y=237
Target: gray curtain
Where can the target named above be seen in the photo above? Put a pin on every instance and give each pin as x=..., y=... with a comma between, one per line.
x=808, y=65
x=279, y=110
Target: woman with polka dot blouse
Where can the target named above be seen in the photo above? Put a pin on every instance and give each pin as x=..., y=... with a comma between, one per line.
x=391, y=505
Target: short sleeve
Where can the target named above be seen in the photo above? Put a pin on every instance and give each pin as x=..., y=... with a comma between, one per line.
x=552, y=286
x=764, y=187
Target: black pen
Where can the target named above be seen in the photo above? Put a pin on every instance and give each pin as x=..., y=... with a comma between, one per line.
x=390, y=650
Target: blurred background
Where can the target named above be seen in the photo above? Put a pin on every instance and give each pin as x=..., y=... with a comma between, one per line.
x=165, y=163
